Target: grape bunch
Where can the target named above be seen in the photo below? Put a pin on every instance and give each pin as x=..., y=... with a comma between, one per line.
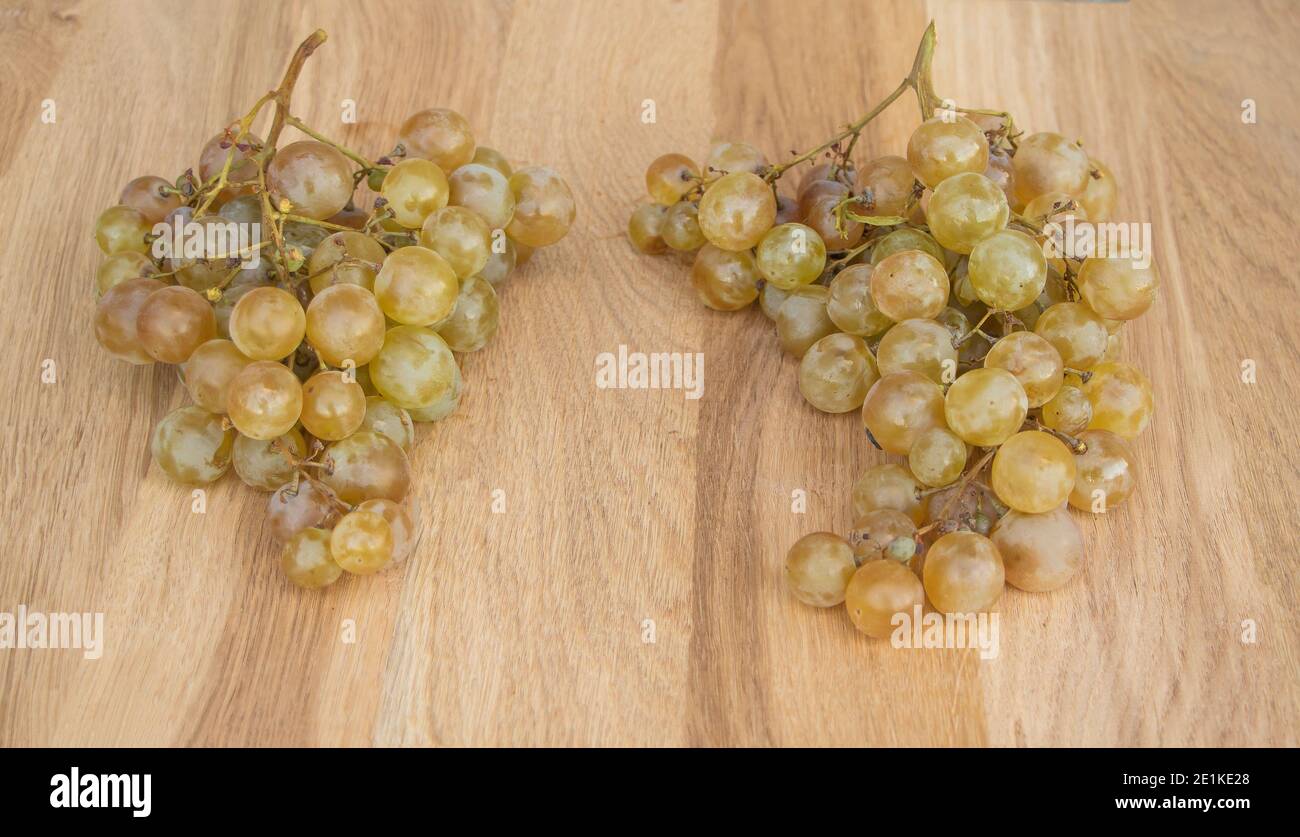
x=311, y=354
x=936, y=293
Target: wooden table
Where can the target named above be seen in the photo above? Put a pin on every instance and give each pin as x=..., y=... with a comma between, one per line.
x=529, y=626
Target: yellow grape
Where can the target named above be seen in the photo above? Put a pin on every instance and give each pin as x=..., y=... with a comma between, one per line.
x=300, y=505
x=484, y=191
x=345, y=324
x=209, y=370
x=1033, y=360
x=474, y=320
x=966, y=209
x=306, y=559
x=264, y=400
x=888, y=486
x=460, y=237
x=736, y=211
x=493, y=159
x=332, y=406
x=191, y=446
x=1007, y=270
x=414, y=369
x=387, y=419
x=724, y=280
x=400, y=523
x=414, y=190
x=120, y=267
x=803, y=320
x=938, y=457
x=681, y=227
x=963, y=573
x=440, y=135
x=212, y=159
x=1069, y=411
x=889, y=181
x=1048, y=162
x=314, y=177
x=923, y=346
x=116, y=316
x=818, y=568
x=727, y=157
x=823, y=218
x=1040, y=552
x=544, y=207
x=850, y=305
x=1033, y=472
x=267, y=324
x=939, y=149
x=367, y=466
x=173, y=322
x=900, y=407
x=1117, y=289
x=790, y=255
x=362, y=543
x=1107, y=472
x=879, y=591
x=148, y=195
x=345, y=258
x=1076, y=332
x=910, y=284
x=261, y=465
x=645, y=228
x=836, y=372
x=985, y=406
x=906, y=238
x=1121, y=398
x=1101, y=193
x=873, y=532
x=670, y=177
x=416, y=286
x=121, y=229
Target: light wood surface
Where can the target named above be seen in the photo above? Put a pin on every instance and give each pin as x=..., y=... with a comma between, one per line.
x=527, y=627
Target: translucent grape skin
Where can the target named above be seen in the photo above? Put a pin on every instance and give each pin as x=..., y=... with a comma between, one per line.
x=484, y=191
x=314, y=177
x=345, y=258
x=414, y=369
x=803, y=320
x=459, y=236
x=295, y=507
x=939, y=149
x=669, y=177
x=1048, y=162
x=1033, y=472
x=260, y=465
x=938, y=457
x=367, y=466
x=116, y=316
x=681, y=227
x=818, y=568
x=414, y=189
x=909, y=285
x=963, y=573
x=1040, y=552
x=645, y=228
x=416, y=286
x=121, y=229
x=264, y=400
x=208, y=371
x=147, y=196
x=1034, y=361
x=440, y=135
x=901, y=406
x=1121, y=398
x=790, y=255
x=1069, y=411
x=387, y=419
x=474, y=320
x=191, y=446
x=923, y=346
x=877, y=592
x=984, y=407
x=306, y=559
x=736, y=211
x=173, y=322
x=345, y=323
x=267, y=324
x=1077, y=333
x=333, y=407
x=120, y=267
x=1007, y=270
x=888, y=486
x=544, y=207
x=889, y=182
x=964, y=210
x=850, y=305
x=362, y=543
x=401, y=524
x=1117, y=289
x=724, y=280
x=836, y=372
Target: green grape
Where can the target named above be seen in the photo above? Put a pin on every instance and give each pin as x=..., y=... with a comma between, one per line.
x=116, y=316
x=736, y=211
x=147, y=196
x=818, y=568
x=873, y=532
x=790, y=255
x=770, y=299
x=501, y=261
x=1033, y=472
x=208, y=371
x=212, y=159
x=301, y=505
x=1116, y=288
x=416, y=286
x=964, y=210
x=1007, y=270
x=191, y=446
x=823, y=219
x=440, y=135
x=414, y=369
x=362, y=543
x=1101, y=193
x=401, y=525
x=963, y=573
x=367, y=466
x=1078, y=334
x=645, y=228
x=173, y=322
x=1040, y=552
x=850, y=305
x=803, y=320
x=1069, y=411
x=909, y=285
x=836, y=372
x=473, y=321
x=724, y=280
x=415, y=189
x=906, y=238
x=314, y=177
x=387, y=419
x=444, y=405
x=1105, y=471
x=726, y=157
x=1121, y=398
x=1034, y=361
x=121, y=229
x=1047, y=162
x=332, y=406
x=460, y=237
x=121, y=267
x=493, y=159
x=544, y=207
x=879, y=591
x=900, y=407
x=345, y=323
x=669, y=177
x=923, y=346
x=267, y=324
x=262, y=466
x=306, y=559
x=264, y=400
x=938, y=457
x=986, y=406
x=888, y=486
x=681, y=227
x=939, y=149
x=889, y=182
x=484, y=191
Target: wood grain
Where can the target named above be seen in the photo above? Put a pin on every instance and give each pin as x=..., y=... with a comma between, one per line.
x=622, y=506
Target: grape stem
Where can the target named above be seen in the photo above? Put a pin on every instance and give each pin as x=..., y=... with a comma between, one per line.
x=974, y=330
x=970, y=474
x=1076, y=445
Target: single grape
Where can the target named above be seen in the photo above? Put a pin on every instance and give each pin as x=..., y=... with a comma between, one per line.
x=939, y=149
x=726, y=157
x=387, y=419
x=1033, y=472
x=1007, y=270
x=191, y=446
x=440, y=135
x=414, y=189
x=120, y=267
x=1048, y=162
x=116, y=316
x=459, y=236
x=473, y=321
x=803, y=320
x=873, y=532
x=938, y=457
x=836, y=372
x=923, y=346
x=736, y=211
x=484, y=191
x=367, y=466
x=1069, y=411
x=670, y=177
x=900, y=407
x=264, y=400
x=1078, y=334
x=416, y=286
x=544, y=207
x=332, y=406
x=790, y=255
x=1101, y=193
x=1116, y=288
x=818, y=568
x=209, y=370
x=362, y=543
x=909, y=285
x=261, y=465
x=493, y=159
x=173, y=322
x=823, y=219
x=724, y=280
x=1121, y=398
x=267, y=324
x=307, y=561
x=966, y=209
x=986, y=406
x=886, y=185
x=1034, y=361
x=850, y=305
x=888, y=486
x=414, y=369
x=1040, y=552
x=1106, y=472
x=304, y=505
x=345, y=323
x=148, y=195
x=314, y=177
x=225, y=305
x=645, y=228
x=963, y=573
x=906, y=238
x=401, y=524
x=878, y=592
x=121, y=229
x=681, y=227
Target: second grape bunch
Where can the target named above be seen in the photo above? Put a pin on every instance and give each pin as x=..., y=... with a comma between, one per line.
x=934, y=292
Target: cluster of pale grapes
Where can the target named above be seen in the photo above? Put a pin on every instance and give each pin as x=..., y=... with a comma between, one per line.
x=922, y=291
x=310, y=364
